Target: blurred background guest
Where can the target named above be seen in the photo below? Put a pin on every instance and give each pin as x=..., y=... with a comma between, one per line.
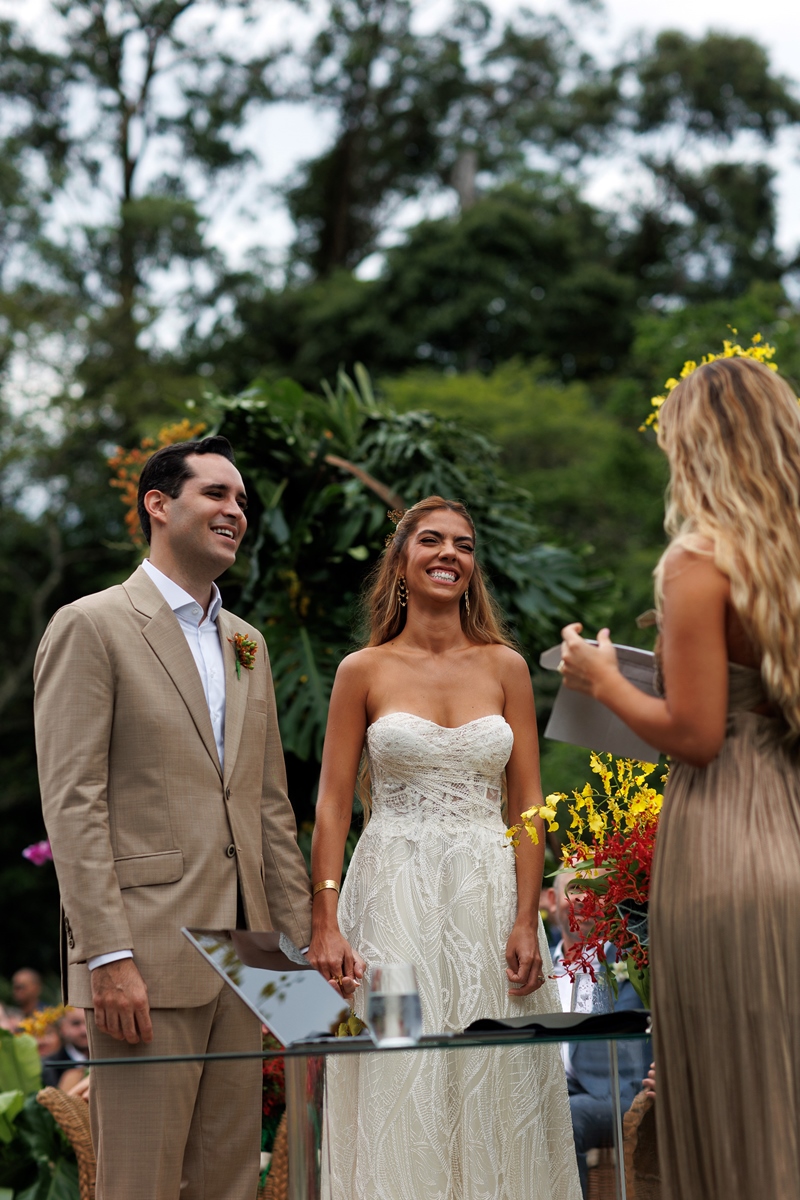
x=587, y=1064
x=26, y=988
x=63, y=1067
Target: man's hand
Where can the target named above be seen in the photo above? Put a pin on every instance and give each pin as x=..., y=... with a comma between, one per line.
x=121, y=1007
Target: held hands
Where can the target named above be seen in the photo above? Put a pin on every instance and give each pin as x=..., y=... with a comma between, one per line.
x=336, y=960
x=585, y=668
x=525, y=972
x=121, y=1007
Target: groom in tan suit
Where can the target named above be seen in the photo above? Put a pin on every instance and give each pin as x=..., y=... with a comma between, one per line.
x=164, y=795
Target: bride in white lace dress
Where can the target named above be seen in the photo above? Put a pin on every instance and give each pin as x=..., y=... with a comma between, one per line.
x=444, y=706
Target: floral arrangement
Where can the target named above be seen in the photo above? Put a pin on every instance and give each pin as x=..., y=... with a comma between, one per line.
x=246, y=650
x=273, y=1094
x=760, y=350
x=127, y=467
x=610, y=843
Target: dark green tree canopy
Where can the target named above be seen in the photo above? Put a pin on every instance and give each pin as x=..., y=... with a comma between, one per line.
x=717, y=85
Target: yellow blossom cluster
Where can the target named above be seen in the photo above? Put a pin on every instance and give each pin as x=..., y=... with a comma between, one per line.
x=127, y=467
x=626, y=801
x=40, y=1021
x=760, y=350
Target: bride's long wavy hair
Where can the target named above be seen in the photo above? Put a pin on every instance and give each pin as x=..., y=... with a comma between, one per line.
x=385, y=617
x=731, y=432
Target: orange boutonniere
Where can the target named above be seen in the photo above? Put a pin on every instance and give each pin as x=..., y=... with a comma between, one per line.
x=246, y=650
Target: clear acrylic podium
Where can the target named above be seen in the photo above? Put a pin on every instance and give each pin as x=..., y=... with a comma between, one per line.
x=305, y=1081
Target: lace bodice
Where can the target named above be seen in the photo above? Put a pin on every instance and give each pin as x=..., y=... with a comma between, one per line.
x=434, y=773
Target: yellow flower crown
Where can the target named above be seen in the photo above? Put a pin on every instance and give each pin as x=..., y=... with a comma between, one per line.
x=760, y=350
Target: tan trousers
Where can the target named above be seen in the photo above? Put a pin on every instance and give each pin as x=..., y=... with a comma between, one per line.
x=188, y=1130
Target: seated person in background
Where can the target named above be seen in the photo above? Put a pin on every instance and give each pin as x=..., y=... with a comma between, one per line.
x=26, y=988
x=587, y=1063
x=49, y=1044
x=9, y=1018
x=56, y=1067
x=548, y=914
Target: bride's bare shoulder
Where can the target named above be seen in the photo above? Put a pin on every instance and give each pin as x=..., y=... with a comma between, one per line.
x=506, y=660
x=361, y=663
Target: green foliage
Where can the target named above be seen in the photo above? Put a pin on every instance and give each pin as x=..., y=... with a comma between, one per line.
x=516, y=275
x=10, y=1104
x=20, y=1068
x=36, y=1161
x=39, y=1164
x=415, y=109
x=597, y=483
x=324, y=470
x=717, y=85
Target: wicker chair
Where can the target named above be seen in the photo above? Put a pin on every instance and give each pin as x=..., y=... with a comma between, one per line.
x=642, y=1175
x=602, y=1184
x=72, y=1116
x=276, y=1186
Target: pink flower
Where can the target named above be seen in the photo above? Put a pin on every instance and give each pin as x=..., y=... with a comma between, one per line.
x=39, y=853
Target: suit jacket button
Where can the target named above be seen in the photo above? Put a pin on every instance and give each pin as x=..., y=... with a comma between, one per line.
x=231, y=851
x=227, y=793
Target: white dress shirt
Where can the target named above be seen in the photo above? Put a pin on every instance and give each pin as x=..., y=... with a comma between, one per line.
x=565, y=996
x=202, y=635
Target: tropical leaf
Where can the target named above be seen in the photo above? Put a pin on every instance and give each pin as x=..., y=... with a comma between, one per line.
x=10, y=1104
x=322, y=470
x=20, y=1065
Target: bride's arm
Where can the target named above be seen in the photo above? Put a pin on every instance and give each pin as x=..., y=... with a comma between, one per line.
x=524, y=790
x=329, y=952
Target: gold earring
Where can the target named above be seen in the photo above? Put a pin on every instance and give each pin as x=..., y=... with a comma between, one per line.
x=466, y=601
x=402, y=591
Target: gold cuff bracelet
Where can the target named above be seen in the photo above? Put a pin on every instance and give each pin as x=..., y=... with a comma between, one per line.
x=325, y=883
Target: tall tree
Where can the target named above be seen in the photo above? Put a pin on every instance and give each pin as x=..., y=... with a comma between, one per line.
x=134, y=124
x=415, y=112
x=709, y=230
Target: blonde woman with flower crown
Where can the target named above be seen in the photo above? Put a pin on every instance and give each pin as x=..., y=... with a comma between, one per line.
x=443, y=706
x=725, y=905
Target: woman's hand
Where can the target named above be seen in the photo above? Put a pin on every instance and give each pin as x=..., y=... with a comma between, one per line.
x=525, y=974
x=336, y=960
x=583, y=667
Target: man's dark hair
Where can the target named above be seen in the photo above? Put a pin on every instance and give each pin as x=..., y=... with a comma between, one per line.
x=167, y=471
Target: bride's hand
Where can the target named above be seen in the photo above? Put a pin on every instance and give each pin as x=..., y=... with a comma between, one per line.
x=525, y=973
x=336, y=960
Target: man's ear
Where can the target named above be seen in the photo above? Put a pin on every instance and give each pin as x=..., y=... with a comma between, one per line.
x=156, y=504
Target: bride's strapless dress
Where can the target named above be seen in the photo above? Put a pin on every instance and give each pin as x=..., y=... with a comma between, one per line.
x=432, y=882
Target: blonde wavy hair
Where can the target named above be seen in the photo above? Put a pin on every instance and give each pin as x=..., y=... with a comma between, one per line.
x=385, y=617
x=731, y=432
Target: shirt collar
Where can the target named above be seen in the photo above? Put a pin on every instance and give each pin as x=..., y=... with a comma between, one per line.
x=176, y=597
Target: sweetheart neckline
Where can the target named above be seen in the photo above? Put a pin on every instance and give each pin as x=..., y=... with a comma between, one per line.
x=427, y=720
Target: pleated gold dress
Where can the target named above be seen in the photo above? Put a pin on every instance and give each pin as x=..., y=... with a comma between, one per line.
x=725, y=953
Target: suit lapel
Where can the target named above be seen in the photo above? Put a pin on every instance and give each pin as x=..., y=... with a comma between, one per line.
x=168, y=642
x=237, y=688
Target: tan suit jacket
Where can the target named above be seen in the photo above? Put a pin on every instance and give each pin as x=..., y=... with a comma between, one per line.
x=148, y=833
